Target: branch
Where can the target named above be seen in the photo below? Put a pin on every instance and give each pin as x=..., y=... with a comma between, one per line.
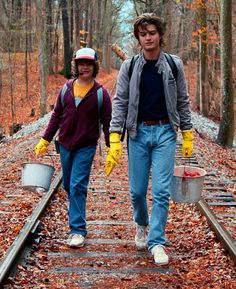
x=118, y=51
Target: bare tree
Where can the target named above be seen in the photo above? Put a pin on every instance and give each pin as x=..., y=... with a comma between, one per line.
x=43, y=68
x=66, y=40
x=49, y=33
x=0, y=81
x=27, y=45
x=56, y=41
x=203, y=58
x=226, y=131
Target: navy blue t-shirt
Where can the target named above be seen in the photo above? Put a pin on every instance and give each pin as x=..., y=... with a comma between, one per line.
x=152, y=104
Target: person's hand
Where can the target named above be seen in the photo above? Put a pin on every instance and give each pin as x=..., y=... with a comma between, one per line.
x=114, y=153
x=110, y=163
x=187, y=146
x=41, y=147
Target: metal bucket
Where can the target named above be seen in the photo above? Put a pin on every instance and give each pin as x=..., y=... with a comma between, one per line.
x=37, y=176
x=187, y=189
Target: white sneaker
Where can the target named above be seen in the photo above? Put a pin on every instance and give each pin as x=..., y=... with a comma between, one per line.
x=160, y=256
x=141, y=237
x=76, y=240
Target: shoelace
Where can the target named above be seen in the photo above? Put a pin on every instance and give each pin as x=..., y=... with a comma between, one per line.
x=141, y=232
x=74, y=234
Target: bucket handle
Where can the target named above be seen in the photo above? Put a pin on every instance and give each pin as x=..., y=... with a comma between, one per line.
x=47, y=154
x=184, y=181
x=51, y=158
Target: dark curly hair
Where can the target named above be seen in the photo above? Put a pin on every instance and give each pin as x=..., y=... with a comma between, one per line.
x=149, y=19
x=74, y=68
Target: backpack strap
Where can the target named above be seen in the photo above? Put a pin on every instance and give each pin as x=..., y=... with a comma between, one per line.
x=173, y=67
x=169, y=59
x=132, y=63
x=64, y=89
x=100, y=101
x=172, y=64
x=131, y=68
x=100, y=98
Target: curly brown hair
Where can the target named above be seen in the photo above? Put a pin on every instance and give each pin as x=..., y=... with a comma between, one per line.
x=74, y=68
x=149, y=19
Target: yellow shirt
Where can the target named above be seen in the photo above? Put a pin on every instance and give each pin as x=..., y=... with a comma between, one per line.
x=80, y=90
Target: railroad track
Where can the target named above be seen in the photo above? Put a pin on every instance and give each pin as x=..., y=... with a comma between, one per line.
x=217, y=206
x=110, y=259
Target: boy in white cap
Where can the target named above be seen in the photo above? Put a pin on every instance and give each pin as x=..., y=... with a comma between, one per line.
x=77, y=117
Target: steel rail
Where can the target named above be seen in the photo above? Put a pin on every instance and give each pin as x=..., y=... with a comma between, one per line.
x=18, y=245
x=223, y=235
x=227, y=242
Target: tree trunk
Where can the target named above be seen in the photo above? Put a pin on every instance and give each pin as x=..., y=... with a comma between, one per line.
x=86, y=22
x=12, y=102
x=43, y=68
x=204, y=101
x=99, y=29
x=66, y=37
x=49, y=30
x=90, y=24
x=16, y=18
x=77, y=21
x=226, y=131
x=0, y=81
x=71, y=22
x=26, y=50
x=56, y=42
x=107, y=15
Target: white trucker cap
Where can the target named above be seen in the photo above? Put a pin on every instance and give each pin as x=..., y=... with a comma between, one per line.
x=86, y=53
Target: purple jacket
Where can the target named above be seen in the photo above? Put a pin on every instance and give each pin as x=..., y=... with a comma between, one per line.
x=79, y=126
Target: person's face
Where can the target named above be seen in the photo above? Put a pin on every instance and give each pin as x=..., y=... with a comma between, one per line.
x=85, y=68
x=149, y=38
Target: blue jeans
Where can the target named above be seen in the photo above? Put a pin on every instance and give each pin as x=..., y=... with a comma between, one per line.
x=153, y=148
x=76, y=167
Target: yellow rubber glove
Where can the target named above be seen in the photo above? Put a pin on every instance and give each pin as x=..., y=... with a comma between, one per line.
x=41, y=147
x=187, y=146
x=110, y=163
x=114, y=153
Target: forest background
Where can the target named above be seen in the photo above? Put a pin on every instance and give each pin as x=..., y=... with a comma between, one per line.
x=38, y=39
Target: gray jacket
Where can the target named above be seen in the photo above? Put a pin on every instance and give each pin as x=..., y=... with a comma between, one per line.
x=126, y=100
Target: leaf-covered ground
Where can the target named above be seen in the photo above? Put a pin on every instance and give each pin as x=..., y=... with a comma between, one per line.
x=203, y=259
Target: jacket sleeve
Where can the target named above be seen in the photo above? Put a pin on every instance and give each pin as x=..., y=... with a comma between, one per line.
x=121, y=98
x=183, y=105
x=54, y=121
x=106, y=115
